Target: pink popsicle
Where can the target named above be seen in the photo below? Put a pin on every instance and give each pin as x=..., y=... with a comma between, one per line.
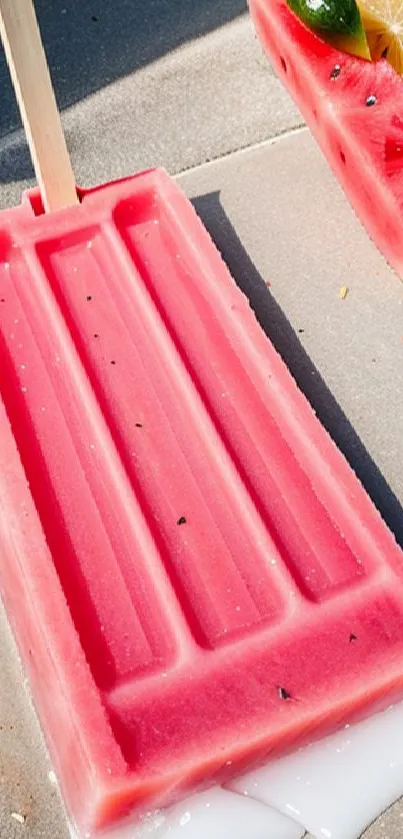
x=195, y=577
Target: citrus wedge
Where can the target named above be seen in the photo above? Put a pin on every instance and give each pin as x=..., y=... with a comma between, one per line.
x=336, y=21
x=383, y=24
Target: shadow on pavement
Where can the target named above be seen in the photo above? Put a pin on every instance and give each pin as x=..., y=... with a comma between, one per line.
x=15, y=162
x=91, y=43
x=15, y=159
x=286, y=342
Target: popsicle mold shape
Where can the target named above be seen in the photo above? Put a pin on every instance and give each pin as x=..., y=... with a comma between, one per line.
x=196, y=579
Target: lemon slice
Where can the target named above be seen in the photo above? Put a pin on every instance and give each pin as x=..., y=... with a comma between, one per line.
x=336, y=21
x=383, y=24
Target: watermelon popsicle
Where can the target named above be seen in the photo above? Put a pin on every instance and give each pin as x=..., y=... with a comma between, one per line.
x=183, y=549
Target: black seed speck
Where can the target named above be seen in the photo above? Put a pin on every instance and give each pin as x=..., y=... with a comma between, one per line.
x=342, y=156
x=352, y=637
x=371, y=101
x=139, y=425
x=89, y=297
x=182, y=520
x=335, y=72
x=94, y=18
x=283, y=64
x=283, y=693
x=2, y=300
x=113, y=362
x=301, y=331
x=96, y=335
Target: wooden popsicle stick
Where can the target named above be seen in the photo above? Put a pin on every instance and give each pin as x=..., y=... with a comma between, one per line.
x=33, y=87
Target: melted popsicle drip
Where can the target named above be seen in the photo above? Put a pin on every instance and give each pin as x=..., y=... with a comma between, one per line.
x=334, y=789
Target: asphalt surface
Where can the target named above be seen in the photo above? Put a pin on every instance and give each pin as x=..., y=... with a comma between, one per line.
x=178, y=84
x=92, y=44
x=208, y=96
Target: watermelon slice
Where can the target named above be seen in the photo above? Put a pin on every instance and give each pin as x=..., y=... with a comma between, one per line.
x=354, y=109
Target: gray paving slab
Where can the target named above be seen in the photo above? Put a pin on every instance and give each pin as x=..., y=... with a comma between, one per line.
x=389, y=825
x=208, y=96
x=279, y=218
x=91, y=43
